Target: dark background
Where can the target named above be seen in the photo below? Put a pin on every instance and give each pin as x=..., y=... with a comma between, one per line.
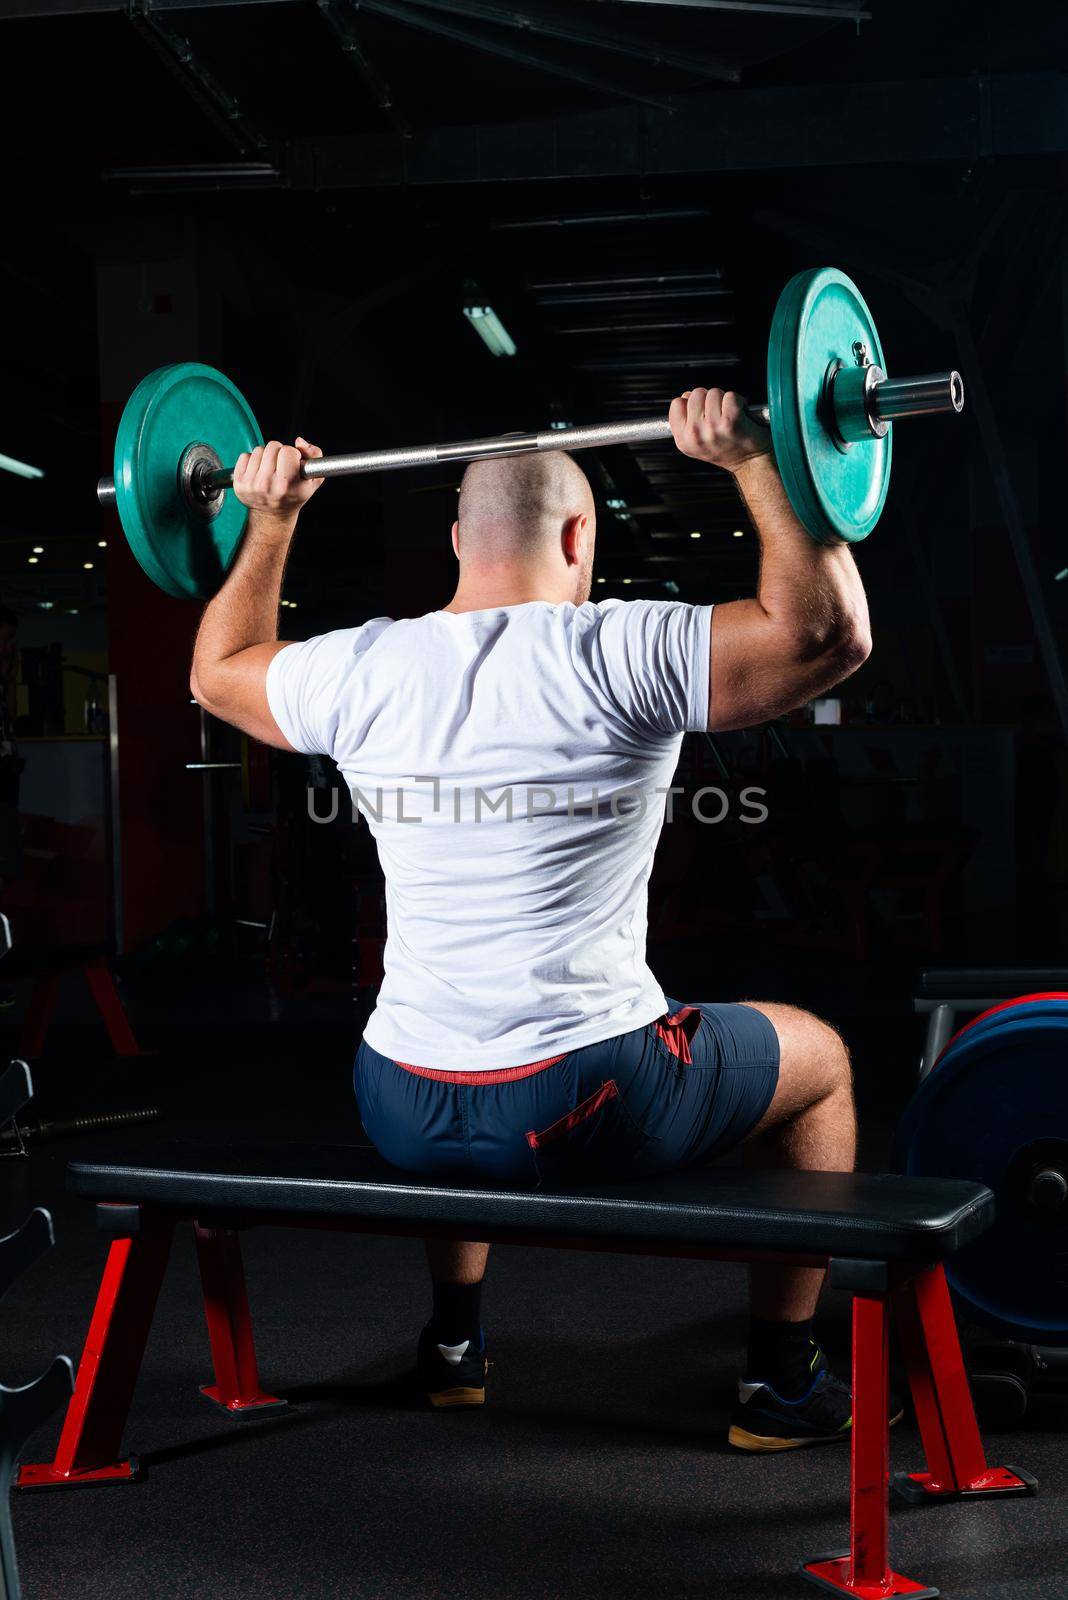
x=301, y=195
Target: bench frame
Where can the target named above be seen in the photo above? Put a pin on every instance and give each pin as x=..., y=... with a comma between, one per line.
x=96, y=971
x=90, y=1443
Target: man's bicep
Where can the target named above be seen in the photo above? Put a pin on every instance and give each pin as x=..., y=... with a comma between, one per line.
x=237, y=693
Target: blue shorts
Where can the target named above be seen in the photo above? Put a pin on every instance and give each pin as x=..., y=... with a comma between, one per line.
x=684, y=1089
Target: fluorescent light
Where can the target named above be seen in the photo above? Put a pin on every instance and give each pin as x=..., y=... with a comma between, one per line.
x=628, y=580
x=101, y=544
x=616, y=504
x=88, y=565
x=490, y=329
x=739, y=533
x=556, y=425
x=32, y=560
x=19, y=468
x=38, y=549
x=695, y=535
x=600, y=580
x=1059, y=577
x=45, y=605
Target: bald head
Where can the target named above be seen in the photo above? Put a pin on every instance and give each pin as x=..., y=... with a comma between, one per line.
x=515, y=508
x=525, y=531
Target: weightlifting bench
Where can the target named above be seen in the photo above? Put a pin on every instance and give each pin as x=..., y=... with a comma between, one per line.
x=883, y=1238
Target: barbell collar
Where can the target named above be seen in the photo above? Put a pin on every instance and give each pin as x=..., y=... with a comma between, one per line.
x=917, y=397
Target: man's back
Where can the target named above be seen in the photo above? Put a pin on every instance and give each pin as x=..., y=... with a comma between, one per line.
x=518, y=944
x=513, y=765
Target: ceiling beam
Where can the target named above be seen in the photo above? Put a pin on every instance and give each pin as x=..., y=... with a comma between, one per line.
x=341, y=21
x=769, y=8
x=730, y=130
x=10, y=9
x=176, y=53
x=73, y=8
x=430, y=22
x=694, y=63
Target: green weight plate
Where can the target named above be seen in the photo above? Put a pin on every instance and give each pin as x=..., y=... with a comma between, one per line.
x=183, y=552
x=837, y=492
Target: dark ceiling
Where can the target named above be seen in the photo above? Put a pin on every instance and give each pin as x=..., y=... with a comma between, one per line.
x=629, y=184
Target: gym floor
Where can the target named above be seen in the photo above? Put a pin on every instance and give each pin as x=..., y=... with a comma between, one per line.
x=599, y=1466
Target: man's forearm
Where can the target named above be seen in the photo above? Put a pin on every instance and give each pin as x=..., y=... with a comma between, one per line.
x=812, y=589
x=245, y=610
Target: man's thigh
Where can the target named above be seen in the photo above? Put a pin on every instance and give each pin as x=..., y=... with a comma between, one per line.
x=813, y=1062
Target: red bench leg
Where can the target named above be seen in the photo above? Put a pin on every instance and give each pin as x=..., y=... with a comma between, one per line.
x=103, y=990
x=956, y=1462
x=237, y=1389
x=864, y=1569
x=88, y=1450
x=39, y=1014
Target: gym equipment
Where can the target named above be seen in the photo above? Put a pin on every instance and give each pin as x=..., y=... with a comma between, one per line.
x=837, y=491
x=1006, y=1376
x=943, y=992
x=22, y=1411
x=16, y=1137
x=995, y=1109
x=162, y=513
x=830, y=406
x=884, y=1239
x=48, y=968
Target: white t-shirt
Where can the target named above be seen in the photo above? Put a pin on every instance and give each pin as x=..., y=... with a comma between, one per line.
x=513, y=765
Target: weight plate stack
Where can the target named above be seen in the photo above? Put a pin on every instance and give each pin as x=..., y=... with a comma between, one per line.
x=995, y=1109
x=837, y=490
x=178, y=544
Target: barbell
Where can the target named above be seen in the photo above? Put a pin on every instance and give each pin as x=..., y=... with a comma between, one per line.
x=830, y=408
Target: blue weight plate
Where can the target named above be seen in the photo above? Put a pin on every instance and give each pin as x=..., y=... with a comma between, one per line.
x=995, y=1110
x=1033, y=1009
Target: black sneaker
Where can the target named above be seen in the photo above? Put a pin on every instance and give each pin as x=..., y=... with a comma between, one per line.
x=452, y=1374
x=763, y=1420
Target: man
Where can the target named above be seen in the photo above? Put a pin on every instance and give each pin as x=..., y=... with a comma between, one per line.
x=512, y=754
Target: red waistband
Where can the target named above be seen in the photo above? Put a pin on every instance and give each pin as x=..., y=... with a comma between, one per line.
x=493, y=1075
x=675, y=1031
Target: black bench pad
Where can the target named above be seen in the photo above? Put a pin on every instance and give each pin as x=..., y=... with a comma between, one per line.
x=858, y=1215
x=960, y=983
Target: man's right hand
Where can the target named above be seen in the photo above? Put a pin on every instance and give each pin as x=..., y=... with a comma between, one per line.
x=268, y=479
x=712, y=426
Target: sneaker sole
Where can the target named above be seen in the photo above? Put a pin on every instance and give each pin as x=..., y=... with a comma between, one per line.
x=447, y=1398
x=742, y=1439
